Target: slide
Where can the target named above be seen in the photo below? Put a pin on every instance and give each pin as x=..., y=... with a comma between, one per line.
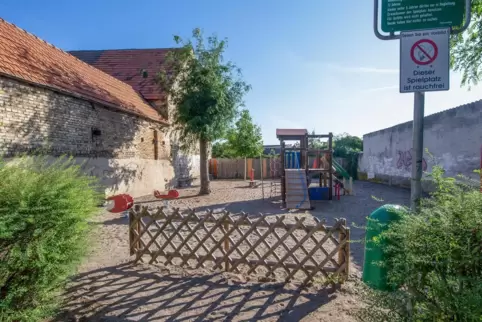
x=339, y=169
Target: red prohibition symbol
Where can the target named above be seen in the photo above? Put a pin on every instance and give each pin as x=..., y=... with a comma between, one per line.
x=424, y=52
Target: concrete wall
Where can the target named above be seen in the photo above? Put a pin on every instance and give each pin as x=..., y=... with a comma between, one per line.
x=453, y=139
x=186, y=164
x=138, y=177
x=125, y=154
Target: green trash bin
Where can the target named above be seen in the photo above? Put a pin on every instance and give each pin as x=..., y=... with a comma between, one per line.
x=374, y=275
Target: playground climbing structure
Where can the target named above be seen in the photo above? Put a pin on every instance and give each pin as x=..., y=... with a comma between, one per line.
x=296, y=173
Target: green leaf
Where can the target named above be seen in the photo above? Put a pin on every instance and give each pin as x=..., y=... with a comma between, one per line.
x=208, y=91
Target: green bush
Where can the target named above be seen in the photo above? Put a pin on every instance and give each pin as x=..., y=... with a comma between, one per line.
x=434, y=259
x=44, y=208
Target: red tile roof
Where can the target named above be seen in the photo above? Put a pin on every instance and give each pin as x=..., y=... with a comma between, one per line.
x=127, y=64
x=25, y=57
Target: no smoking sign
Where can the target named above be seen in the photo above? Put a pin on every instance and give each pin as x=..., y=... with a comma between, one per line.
x=424, y=52
x=424, y=61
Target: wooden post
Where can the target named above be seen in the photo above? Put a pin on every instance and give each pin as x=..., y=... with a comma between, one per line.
x=226, y=244
x=347, y=251
x=307, y=153
x=261, y=166
x=351, y=187
x=330, y=173
x=283, y=173
x=265, y=168
x=245, y=169
x=342, y=258
x=131, y=233
x=136, y=227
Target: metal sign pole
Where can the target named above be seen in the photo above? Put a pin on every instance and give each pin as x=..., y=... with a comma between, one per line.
x=416, y=183
x=419, y=101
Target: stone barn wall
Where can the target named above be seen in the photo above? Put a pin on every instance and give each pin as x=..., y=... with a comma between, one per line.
x=128, y=153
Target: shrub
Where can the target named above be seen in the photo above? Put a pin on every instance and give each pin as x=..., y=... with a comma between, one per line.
x=434, y=259
x=44, y=208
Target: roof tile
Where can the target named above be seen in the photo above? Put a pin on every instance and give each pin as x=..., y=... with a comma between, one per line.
x=27, y=57
x=127, y=64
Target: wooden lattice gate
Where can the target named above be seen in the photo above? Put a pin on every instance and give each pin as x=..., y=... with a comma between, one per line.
x=240, y=243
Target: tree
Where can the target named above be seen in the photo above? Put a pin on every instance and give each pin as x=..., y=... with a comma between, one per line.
x=206, y=90
x=245, y=139
x=466, y=48
x=345, y=143
x=222, y=149
x=348, y=147
x=316, y=143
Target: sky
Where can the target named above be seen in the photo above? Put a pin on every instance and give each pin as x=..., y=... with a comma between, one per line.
x=313, y=64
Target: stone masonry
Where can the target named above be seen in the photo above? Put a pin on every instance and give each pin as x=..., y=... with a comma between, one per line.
x=186, y=163
x=34, y=118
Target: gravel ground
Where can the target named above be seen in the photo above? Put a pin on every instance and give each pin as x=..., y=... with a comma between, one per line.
x=109, y=288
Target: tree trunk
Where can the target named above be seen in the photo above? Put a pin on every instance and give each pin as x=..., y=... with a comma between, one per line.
x=204, y=170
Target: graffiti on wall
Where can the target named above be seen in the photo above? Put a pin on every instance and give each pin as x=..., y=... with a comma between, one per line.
x=405, y=161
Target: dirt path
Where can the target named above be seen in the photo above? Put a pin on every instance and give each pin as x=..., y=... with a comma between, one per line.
x=108, y=288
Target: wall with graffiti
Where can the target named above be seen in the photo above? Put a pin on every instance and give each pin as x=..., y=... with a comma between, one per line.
x=404, y=160
x=452, y=139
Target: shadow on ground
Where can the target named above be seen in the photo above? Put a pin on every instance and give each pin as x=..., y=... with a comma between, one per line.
x=127, y=293
x=368, y=197
x=266, y=207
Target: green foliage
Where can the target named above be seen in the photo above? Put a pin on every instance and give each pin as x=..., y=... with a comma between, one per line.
x=245, y=139
x=466, y=48
x=222, y=149
x=43, y=232
x=206, y=90
x=348, y=147
x=434, y=259
x=272, y=153
x=345, y=144
x=316, y=143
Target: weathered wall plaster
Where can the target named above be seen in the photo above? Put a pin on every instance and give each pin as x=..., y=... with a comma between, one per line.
x=453, y=139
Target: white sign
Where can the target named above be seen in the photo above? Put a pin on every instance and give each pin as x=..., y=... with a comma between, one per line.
x=424, y=61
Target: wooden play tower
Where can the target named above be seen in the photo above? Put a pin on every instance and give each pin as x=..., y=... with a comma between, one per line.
x=296, y=176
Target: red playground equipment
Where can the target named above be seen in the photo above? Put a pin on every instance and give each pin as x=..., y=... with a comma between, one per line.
x=338, y=187
x=119, y=203
x=171, y=194
x=252, y=183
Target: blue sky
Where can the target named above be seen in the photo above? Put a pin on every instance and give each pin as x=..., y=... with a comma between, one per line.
x=313, y=64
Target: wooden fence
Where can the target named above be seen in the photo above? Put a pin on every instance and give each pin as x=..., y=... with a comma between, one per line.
x=277, y=247
x=269, y=167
